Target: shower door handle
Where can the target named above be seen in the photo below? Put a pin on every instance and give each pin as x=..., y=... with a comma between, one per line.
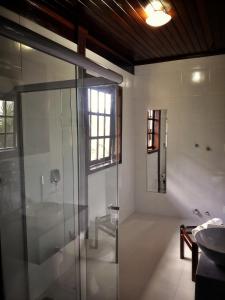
x=113, y=207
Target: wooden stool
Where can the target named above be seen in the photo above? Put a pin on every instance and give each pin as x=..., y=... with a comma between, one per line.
x=185, y=237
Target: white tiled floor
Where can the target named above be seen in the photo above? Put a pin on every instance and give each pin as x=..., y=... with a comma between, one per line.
x=150, y=267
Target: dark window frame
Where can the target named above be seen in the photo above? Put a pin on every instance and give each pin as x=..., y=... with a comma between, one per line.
x=13, y=133
x=115, y=135
x=153, y=131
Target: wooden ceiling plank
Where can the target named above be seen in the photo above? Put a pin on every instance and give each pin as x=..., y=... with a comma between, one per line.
x=91, y=14
x=157, y=33
x=125, y=25
x=215, y=10
x=134, y=25
x=44, y=9
x=116, y=31
x=181, y=12
x=180, y=31
x=202, y=12
x=154, y=33
x=191, y=10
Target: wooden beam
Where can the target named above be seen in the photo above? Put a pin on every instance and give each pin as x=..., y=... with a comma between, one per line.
x=82, y=39
x=44, y=9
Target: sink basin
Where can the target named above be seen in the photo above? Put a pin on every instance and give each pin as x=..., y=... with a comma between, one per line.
x=212, y=242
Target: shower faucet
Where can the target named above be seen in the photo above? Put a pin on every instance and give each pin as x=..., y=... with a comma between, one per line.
x=55, y=176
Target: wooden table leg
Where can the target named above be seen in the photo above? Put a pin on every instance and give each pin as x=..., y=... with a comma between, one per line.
x=181, y=242
x=194, y=260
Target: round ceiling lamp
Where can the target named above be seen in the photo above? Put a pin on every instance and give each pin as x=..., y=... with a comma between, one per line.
x=156, y=14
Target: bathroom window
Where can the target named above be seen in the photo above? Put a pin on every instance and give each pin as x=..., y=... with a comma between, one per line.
x=153, y=125
x=7, y=125
x=104, y=136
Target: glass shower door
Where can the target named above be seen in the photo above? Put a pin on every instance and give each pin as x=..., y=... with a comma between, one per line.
x=38, y=175
x=102, y=185
x=50, y=190
x=58, y=196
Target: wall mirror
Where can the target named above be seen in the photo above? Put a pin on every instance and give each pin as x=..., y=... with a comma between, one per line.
x=156, y=150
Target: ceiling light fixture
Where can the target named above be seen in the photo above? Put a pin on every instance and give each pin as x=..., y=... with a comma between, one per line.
x=157, y=14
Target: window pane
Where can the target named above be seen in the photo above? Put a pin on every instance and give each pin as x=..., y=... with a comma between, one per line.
x=2, y=107
x=107, y=147
x=9, y=140
x=101, y=103
x=101, y=126
x=2, y=125
x=9, y=125
x=9, y=108
x=93, y=149
x=2, y=141
x=94, y=101
x=89, y=100
x=107, y=103
x=107, y=126
x=149, y=140
x=100, y=148
x=150, y=125
x=151, y=113
x=94, y=125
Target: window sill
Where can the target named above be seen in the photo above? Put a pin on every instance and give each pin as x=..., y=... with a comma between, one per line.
x=103, y=167
x=152, y=151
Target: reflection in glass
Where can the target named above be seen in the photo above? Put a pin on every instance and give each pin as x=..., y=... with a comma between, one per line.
x=94, y=100
x=2, y=125
x=94, y=125
x=9, y=141
x=100, y=148
x=107, y=147
x=9, y=108
x=9, y=125
x=2, y=141
x=2, y=107
x=107, y=126
x=156, y=150
x=101, y=102
x=100, y=125
x=108, y=104
x=93, y=149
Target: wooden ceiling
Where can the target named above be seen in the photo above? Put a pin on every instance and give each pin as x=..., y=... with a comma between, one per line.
x=117, y=28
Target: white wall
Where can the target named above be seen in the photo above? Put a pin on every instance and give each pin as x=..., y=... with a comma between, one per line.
x=196, y=114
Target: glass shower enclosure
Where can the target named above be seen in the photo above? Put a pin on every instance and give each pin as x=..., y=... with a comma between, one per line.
x=58, y=172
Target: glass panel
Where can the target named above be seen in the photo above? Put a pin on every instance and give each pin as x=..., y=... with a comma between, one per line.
x=94, y=100
x=102, y=259
x=9, y=125
x=2, y=141
x=100, y=148
x=9, y=141
x=94, y=149
x=2, y=125
x=9, y=108
x=149, y=140
x=108, y=104
x=107, y=126
x=101, y=126
x=89, y=100
x=107, y=147
x=2, y=107
x=42, y=208
x=94, y=125
x=101, y=102
x=13, y=266
x=150, y=125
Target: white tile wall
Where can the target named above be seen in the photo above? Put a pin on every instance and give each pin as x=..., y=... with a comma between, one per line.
x=196, y=114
